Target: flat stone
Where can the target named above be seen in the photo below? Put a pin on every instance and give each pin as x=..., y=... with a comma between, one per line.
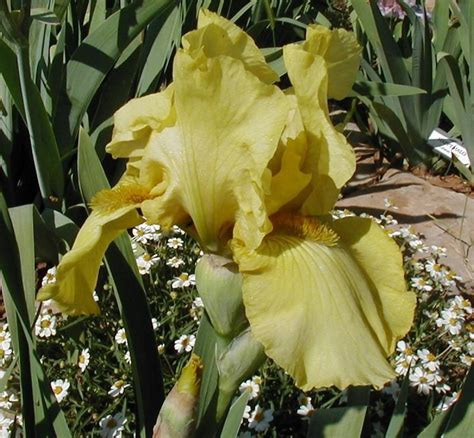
x=442, y=216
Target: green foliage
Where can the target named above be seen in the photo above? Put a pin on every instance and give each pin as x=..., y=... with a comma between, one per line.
x=405, y=122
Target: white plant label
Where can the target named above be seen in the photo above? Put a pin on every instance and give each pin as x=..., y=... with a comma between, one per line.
x=446, y=147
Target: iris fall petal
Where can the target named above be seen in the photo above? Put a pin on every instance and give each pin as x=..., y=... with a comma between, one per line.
x=77, y=273
x=319, y=308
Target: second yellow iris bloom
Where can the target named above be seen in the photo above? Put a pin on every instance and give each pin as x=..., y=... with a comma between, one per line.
x=252, y=173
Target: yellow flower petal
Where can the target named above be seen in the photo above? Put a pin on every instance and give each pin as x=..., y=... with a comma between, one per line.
x=330, y=159
x=340, y=50
x=380, y=258
x=214, y=158
x=217, y=36
x=316, y=309
x=289, y=179
x=77, y=273
x=134, y=122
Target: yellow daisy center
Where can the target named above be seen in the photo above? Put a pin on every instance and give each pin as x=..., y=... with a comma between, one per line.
x=57, y=390
x=111, y=423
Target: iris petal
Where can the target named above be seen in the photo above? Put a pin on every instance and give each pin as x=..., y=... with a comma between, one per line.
x=340, y=50
x=76, y=275
x=217, y=36
x=318, y=307
x=137, y=119
x=330, y=159
x=214, y=158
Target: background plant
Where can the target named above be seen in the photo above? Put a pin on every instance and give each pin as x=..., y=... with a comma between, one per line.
x=402, y=52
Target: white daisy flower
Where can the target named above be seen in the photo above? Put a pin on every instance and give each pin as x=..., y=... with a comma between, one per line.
x=175, y=243
x=5, y=402
x=49, y=277
x=5, y=338
x=145, y=233
x=84, y=359
x=184, y=343
x=450, y=321
x=118, y=388
x=184, y=280
x=449, y=279
x=112, y=426
x=436, y=270
x=403, y=233
x=466, y=360
x=121, y=336
x=95, y=296
x=428, y=360
x=251, y=387
x=306, y=408
x=421, y=284
x=145, y=262
x=260, y=419
x=127, y=357
x=175, y=262
x=60, y=389
x=438, y=251
x=161, y=348
x=177, y=230
x=45, y=326
x=459, y=304
x=416, y=265
x=442, y=388
x=339, y=214
x=155, y=323
x=422, y=380
x=197, y=302
x=5, y=424
x=418, y=245
x=402, y=366
x=470, y=348
x=197, y=309
x=406, y=352
x=388, y=219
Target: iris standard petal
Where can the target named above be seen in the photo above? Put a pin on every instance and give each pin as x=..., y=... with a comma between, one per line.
x=340, y=50
x=330, y=159
x=76, y=274
x=214, y=158
x=218, y=36
x=288, y=180
x=317, y=311
x=137, y=119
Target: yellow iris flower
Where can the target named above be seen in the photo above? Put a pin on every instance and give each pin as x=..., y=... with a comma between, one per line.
x=252, y=173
